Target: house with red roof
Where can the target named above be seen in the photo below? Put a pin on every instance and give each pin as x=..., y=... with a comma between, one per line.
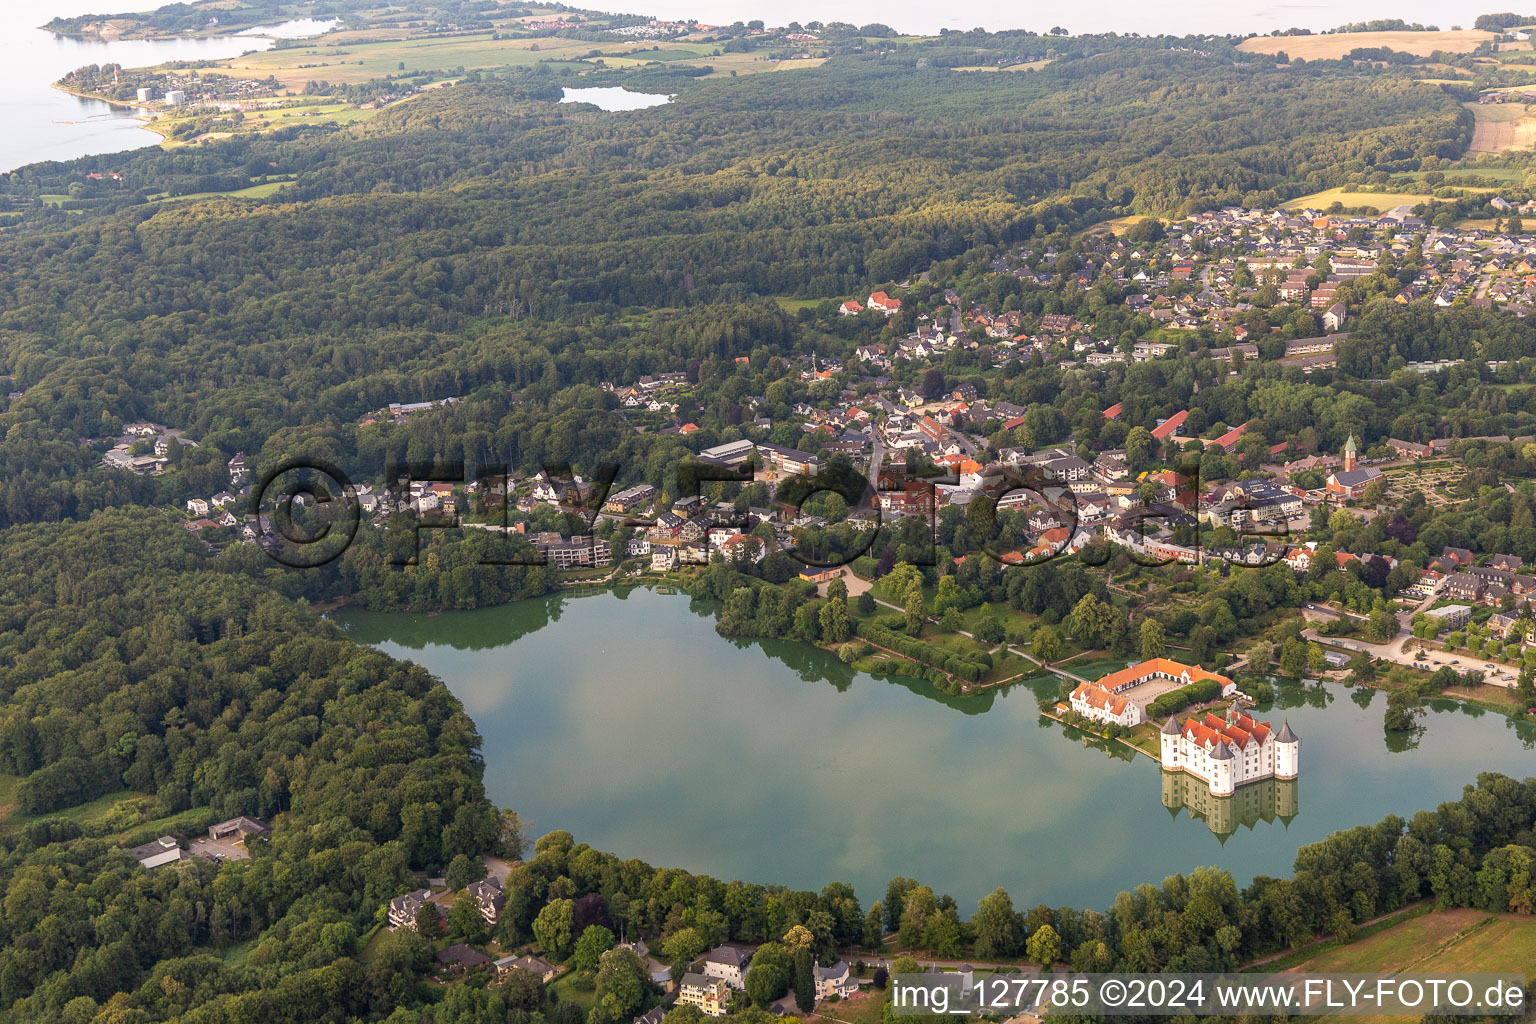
x=1097, y=704
x=1226, y=442
x=883, y=302
x=1172, y=425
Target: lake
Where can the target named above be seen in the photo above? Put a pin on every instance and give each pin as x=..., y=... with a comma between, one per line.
x=44, y=123
x=625, y=719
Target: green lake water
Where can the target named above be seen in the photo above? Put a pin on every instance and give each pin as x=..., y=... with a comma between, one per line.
x=625, y=719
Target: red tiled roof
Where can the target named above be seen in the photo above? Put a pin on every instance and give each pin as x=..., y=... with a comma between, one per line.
x=1169, y=425
x=1098, y=697
x=1165, y=665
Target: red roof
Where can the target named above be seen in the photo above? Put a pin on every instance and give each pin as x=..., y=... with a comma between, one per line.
x=1167, y=666
x=1169, y=425
x=1113, y=411
x=1229, y=439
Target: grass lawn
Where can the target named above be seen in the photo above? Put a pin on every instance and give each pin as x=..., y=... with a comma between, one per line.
x=863, y=1008
x=82, y=813
x=569, y=993
x=261, y=191
x=1095, y=667
x=1453, y=177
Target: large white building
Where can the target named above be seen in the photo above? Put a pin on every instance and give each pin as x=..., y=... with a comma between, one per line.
x=1097, y=704
x=1230, y=752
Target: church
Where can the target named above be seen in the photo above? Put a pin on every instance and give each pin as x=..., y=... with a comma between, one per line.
x=1351, y=481
x=1229, y=752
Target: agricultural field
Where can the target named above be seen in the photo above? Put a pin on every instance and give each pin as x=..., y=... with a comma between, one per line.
x=355, y=64
x=1031, y=65
x=1381, y=201
x=1336, y=45
x=1441, y=942
x=256, y=121
x=1502, y=127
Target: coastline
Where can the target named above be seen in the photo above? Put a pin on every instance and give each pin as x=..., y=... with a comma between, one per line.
x=147, y=111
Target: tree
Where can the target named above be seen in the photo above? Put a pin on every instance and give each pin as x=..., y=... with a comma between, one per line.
x=594, y=942
x=1293, y=657
x=1151, y=639
x=621, y=977
x=769, y=977
x=554, y=927
x=988, y=630
x=1044, y=945
x=683, y=945
x=805, y=980
x=1402, y=712
x=1091, y=620
x=1045, y=644
x=997, y=926
x=429, y=920
x=462, y=871
x=465, y=920
x=913, y=607
x=834, y=620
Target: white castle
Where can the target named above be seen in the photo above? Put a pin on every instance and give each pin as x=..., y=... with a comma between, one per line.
x=1230, y=752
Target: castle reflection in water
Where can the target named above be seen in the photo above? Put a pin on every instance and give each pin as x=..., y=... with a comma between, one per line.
x=1264, y=800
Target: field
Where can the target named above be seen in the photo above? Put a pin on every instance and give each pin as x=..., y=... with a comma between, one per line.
x=1456, y=177
x=1502, y=127
x=1026, y=66
x=1332, y=47
x=351, y=63
x=1442, y=942
x=354, y=64
x=255, y=121
x=1381, y=201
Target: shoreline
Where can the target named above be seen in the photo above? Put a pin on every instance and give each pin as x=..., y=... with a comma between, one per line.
x=125, y=104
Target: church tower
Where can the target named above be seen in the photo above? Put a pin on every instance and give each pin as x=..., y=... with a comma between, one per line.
x=1349, y=454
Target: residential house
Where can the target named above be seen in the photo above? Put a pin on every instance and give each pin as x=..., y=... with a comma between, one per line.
x=403, y=908
x=461, y=957
x=710, y=995
x=836, y=980
x=534, y=965
x=729, y=963
x=489, y=896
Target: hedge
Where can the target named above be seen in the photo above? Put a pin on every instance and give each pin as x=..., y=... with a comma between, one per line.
x=924, y=653
x=1183, y=697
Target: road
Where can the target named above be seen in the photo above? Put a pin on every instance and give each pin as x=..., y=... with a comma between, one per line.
x=1497, y=675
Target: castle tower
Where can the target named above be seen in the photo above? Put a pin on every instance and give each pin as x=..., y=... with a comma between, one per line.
x=1349, y=454
x=1287, y=753
x=1169, y=737
x=1222, y=783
